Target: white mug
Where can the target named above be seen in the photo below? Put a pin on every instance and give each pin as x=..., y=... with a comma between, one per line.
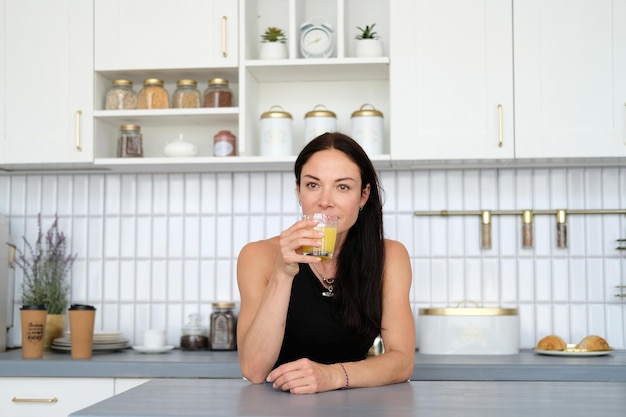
x=153, y=338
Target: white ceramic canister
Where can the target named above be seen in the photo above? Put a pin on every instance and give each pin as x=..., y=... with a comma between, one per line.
x=276, y=132
x=469, y=331
x=317, y=121
x=367, y=129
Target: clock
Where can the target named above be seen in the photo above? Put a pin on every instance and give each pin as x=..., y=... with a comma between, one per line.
x=317, y=38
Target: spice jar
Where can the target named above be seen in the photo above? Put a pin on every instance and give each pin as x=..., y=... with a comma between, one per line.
x=194, y=335
x=276, y=131
x=121, y=96
x=153, y=95
x=130, y=141
x=186, y=95
x=317, y=121
x=367, y=129
x=224, y=144
x=218, y=94
x=222, y=332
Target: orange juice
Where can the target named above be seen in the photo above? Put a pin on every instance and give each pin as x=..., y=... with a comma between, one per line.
x=328, y=226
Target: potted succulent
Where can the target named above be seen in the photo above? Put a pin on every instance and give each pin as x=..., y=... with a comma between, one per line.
x=368, y=42
x=45, y=267
x=273, y=44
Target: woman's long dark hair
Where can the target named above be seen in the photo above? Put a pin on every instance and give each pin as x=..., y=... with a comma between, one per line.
x=358, y=298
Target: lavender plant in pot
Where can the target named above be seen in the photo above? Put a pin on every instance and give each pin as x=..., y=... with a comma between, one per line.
x=368, y=42
x=45, y=266
x=273, y=44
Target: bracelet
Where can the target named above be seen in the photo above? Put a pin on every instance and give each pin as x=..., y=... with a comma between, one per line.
x=347, y=378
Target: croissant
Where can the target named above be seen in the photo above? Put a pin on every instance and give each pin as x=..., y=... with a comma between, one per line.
x=593, y=343
x=552, y=342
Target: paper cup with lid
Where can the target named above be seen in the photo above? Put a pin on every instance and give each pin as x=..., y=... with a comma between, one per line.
x=276, y=132
x=367, y=129
x=317, y=121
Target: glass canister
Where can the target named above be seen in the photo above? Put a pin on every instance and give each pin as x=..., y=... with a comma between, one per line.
x=218, y=94
x=194, y=336
x=317, y=121
x=276, y=132
x=186, y=95
x=153, y=95
x=367, y=129
x=121, y=96
x=223, y=327
x=224, y=144
x=130, y=142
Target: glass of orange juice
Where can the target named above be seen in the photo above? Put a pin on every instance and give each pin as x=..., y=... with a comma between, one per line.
x=327, y=224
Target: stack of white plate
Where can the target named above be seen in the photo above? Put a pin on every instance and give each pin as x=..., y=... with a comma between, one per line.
x=102, y=341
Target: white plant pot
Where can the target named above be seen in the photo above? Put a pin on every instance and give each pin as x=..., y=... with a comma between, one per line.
x=369, y=48
x=272, y=50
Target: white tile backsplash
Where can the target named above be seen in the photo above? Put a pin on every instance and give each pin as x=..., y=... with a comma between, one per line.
x=154, y=248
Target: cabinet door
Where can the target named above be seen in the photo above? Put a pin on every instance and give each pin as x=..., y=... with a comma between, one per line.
x=51, y=397
x=570, y=78
x=164, y=34
x=451, y=79
x=48, y=81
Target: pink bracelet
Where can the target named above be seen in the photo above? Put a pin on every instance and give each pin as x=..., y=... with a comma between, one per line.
x=346, y=373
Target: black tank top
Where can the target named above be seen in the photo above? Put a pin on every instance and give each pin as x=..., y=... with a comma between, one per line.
x=312, y=330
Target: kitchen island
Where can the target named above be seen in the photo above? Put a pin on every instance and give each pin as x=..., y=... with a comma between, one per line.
x=127, y=363
x=224, y=397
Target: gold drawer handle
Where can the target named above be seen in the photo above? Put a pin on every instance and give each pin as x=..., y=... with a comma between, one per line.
x=79, y=147
x=35, y=400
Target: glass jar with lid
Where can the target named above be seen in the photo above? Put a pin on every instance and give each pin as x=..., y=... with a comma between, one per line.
x=153, y=95
x=186, y=95
x=223, y=327
x=218, y=94
x=130, y=142
x=194, y=336
x=121, y=96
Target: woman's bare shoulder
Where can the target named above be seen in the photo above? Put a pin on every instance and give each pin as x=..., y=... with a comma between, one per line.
x=259, y=248
x=395, y=248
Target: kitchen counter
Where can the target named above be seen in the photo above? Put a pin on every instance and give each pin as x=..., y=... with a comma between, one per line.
x=525, y=366
x=222, y=398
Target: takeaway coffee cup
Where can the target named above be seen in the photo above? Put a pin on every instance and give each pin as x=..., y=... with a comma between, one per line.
x=82, y=318
x=33, y=319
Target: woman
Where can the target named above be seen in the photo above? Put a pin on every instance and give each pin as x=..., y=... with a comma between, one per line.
x=291, y=335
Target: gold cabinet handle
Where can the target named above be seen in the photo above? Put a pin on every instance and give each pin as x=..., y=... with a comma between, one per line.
x=224, y=52
x=78, y=145
x=35, y=400
x=500, y=140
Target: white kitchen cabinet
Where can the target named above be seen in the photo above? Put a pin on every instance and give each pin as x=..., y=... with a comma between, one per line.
x=342, y=82
x=570, y=78
x=451, y=80
x=165, y=34
x=51, y=397
x=47, y=83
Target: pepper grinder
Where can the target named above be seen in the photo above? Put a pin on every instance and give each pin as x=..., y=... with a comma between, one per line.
x=486, y=229
x=561, y=229
x=527, y=229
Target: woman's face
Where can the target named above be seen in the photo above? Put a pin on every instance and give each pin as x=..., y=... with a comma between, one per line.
x=330, y=183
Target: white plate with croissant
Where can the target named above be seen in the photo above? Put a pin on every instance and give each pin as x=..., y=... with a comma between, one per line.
x=589, y=346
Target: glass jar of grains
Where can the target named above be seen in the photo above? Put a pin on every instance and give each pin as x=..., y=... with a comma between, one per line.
x=194, y=336
x=218, y=94
x=121, y=96
x=222, y=331
x=186, y=95
x=153, y=95
x=130, y=142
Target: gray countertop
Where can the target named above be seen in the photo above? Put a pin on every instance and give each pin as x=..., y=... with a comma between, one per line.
x=525, y=366
x=229, y=397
